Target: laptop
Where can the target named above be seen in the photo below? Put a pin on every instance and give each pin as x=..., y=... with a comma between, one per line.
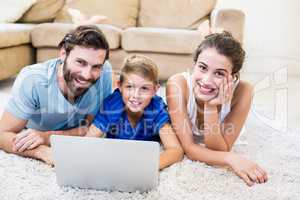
x=105, y=164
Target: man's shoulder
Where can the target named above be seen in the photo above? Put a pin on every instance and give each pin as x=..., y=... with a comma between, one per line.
x=39, y=73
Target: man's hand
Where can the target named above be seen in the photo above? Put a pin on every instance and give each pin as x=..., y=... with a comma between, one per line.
x=30, y=139
x=44, y=153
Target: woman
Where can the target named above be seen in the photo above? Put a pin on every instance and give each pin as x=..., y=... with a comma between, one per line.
x=210, y=105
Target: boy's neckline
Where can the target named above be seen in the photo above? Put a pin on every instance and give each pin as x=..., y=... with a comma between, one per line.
x=133, y=118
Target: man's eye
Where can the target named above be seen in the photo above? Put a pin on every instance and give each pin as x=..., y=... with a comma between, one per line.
x=79, y=62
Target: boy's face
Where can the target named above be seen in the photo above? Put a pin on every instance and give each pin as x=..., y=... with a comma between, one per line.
x=137, y=92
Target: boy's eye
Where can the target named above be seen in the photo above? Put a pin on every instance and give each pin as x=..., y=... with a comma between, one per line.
x=145, y=88
x=128, y=86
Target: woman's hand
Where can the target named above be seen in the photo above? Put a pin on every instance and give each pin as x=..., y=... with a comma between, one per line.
x=225, y=92
x=246, y=169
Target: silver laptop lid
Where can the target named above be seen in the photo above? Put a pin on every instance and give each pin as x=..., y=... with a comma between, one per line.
x=106, y=164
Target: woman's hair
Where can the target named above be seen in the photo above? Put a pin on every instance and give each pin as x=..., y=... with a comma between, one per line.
x=140, y=65
x=88, y=36
x=225, y=45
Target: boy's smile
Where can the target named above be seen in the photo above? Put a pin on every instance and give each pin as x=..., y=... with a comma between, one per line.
x=137, y=92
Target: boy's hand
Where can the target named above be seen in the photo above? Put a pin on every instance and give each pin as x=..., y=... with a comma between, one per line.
x=30, y=139
x=94, y=132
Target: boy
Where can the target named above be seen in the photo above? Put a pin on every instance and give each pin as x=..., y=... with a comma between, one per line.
x=135, y=112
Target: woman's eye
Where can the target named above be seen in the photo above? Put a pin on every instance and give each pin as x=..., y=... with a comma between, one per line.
x=202, y=67
x=220, y=74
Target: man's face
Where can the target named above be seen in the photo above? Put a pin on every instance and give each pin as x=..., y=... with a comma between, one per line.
x=82, y=68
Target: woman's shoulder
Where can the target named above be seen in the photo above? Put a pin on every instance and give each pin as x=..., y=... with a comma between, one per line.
x=177, y=84
x=243, y=91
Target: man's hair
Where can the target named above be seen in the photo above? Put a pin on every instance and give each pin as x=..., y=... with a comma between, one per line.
x=225, y=45
x=140, y=65
x=88, y=36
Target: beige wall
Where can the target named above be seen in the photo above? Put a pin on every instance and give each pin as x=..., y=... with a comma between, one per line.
x=272, y=36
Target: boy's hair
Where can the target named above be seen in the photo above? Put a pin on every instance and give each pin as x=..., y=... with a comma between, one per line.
x=88, y=36
x=141, y=65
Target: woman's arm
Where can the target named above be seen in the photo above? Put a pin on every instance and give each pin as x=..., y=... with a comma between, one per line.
x=235, y=120
x=172, y=149
x=177, y=105
x=221, y=136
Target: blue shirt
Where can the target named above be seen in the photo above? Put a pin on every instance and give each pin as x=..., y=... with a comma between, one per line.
x=36, y=97
x=113, y=120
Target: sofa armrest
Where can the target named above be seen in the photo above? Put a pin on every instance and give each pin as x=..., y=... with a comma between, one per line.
x=232, y=20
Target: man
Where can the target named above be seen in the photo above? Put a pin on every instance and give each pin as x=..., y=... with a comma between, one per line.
x=59, y=96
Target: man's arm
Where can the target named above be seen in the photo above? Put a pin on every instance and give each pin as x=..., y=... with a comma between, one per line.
x=31, y=139
x=9, y=127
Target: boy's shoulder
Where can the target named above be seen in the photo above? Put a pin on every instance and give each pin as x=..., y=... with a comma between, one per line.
x=158, y=102
x=156, y=107
x=113, y=101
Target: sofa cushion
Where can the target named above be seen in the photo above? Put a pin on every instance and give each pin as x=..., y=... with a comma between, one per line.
x=42, y=11
x=14, y=34
x=174, y=13
x=50, y=34
x=161, y=40
x=12, y=10
x=13, y=59
x=120, y=13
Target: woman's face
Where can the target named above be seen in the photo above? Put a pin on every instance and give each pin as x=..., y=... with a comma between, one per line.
x=210, y=71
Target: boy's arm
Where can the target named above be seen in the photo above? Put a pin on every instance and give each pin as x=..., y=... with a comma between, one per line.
x=172, y=149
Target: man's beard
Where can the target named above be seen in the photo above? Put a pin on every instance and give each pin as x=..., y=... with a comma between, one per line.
x=70, y=81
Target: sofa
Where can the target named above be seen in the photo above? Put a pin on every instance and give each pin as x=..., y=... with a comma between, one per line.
x=167, y=31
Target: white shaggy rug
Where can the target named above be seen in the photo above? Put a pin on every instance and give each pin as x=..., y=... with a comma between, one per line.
x=277, y=152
